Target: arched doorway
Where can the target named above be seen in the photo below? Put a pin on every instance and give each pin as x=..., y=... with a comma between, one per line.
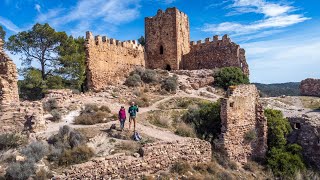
x=168, y=67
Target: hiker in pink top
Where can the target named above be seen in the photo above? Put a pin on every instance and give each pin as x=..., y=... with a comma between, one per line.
x=122, y=117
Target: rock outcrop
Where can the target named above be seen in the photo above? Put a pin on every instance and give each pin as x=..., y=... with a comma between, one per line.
x=310, y=87
x=306, y=132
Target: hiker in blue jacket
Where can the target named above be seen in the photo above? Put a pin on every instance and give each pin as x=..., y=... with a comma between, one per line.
x=133, y=109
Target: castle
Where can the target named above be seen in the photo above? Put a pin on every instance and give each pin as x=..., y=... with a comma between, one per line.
x=167, y=47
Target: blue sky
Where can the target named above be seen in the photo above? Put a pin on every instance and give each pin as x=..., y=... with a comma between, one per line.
x=281, y=38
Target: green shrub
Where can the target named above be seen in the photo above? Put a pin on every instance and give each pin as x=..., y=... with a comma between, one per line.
x=170, y=84
x=50, y=105
x=20, y=170
x=149, y=76
x=76, y=155
x=56, y=115
x=285, y=160
x=138, y=71
x=278, y=128
x=250, y=135
x=133, y=80
x=205, y=118
x=185, y=130
x=11, y=140
x=284, y=163
x=180, y=167
x=230, y=76
x=35, y=150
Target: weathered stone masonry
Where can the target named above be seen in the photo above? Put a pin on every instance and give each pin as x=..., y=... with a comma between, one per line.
x=109, y=61
x=12, y=111
x=242, y=113
x=167, y=47
x=167, y=39
x=215, y=54
x=8, y=79
x=158, y=156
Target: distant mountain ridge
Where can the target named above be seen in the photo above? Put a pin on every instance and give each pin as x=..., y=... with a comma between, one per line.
x=278, y=89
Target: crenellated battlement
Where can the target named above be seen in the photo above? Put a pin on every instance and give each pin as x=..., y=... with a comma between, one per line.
x=104, y=40
x=109, y=60
x=168, y=11
x=225, y=40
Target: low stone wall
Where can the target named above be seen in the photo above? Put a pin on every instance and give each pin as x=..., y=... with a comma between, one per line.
x=310, y=87
x=12, y=117
x=306, y=132
x=156, y=156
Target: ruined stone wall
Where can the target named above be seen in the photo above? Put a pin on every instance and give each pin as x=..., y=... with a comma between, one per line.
x=109, y=61
x=306, y=132
x=157, y=156
x=12, y=118
x=310, y=87
x=8, y=79
x=215, y=54
x=242, y=115
x=167, y=39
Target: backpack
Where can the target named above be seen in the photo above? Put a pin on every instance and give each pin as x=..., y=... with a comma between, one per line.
x=136, y=136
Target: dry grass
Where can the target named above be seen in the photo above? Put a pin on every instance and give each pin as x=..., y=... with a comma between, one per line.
x=180, y=103
x=185, y=130
x=127, y=147
x=159, y=119
x=310, y=102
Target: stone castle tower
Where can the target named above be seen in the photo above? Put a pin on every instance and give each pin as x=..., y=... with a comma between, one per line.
x=167, y=39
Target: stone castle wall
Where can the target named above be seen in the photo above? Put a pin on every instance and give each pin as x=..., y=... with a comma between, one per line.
x=306, y=132
x=241, y=116
x=8, y=79
x=215, y=54
x=310, y=87
x=109, y=61
x=158, y=156
x=167, y=39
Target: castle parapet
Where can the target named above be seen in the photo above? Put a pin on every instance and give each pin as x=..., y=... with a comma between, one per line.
x=215, y=41
x=104, y=40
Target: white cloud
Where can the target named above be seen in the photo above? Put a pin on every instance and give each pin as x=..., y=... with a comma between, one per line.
x=9, y=25
x=37, y=7
x=276, y=16
x=86, y=15
x=288, y=59
x=241, y=29
x=260, y=6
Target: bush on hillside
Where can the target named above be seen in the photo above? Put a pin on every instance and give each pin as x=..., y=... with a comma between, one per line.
x=284, y=159
x=35, y=150
x=230, y=76
x=92, y=114
x=20, y=170
x=50, y=105
x=170, y=84
x=11, y=140
x=76, y=155
x=56, y=115
x=149, y=76
x=133, y=80
x=205, y=118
